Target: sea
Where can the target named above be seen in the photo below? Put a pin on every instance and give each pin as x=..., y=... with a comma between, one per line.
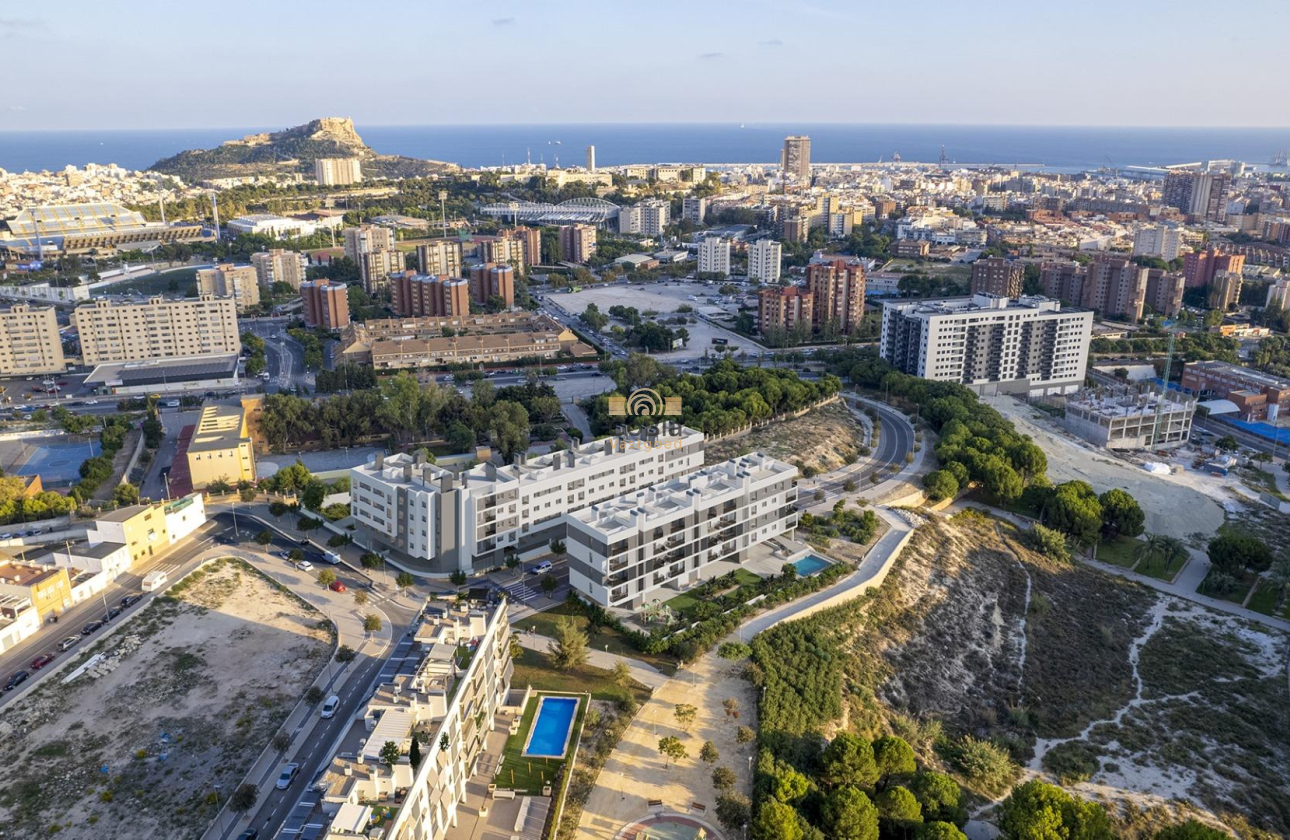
x=1063, y=149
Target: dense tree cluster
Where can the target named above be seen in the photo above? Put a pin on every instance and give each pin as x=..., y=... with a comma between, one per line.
x=94, y=471
x=723, y=398
x=17, y=506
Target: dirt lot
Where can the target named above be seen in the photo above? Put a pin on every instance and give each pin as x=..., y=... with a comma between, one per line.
x=825, y=439
x=1156, y=706
x=1172, y=504
x=185, y=698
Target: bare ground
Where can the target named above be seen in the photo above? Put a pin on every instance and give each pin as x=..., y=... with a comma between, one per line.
x=823, y=439
x=188, y=694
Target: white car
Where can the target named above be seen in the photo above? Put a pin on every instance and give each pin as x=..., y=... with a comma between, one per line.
x=288, y=776
x=305, y=566
x=91, y=402
x=328, y=709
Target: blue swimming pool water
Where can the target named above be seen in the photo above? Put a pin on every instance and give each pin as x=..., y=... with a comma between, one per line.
x=810, y=564
x=550, y=734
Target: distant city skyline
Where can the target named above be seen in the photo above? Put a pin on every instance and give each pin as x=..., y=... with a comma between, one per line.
x=155, y=65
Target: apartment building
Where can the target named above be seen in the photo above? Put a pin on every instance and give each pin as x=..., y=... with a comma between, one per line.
x=365, y=238
x=1199, y=267
x=502, y=250
x=158, y=328
x=279, y=265
x=1130, y=417
x=765, y=260
x=439, y=257
x=1225, y=290
x=714, y=256
x=377, y=266
x=1202, y=195
x=462, y=714
x=1164, y=291
x=837, y=289
x=240, y=282
x=655, y=216
x=325, y=304
x=48, y=588
x=1278, y=295
x=530, y=240
x=429, y=295
x=491, y=280
x=1257, y=396
x=431, y=342
x=694, y=209
x=577, y=242
x=29, y=341
x=796, y=160
x=1158, y=241
x=654, y=542
x=997, y=276
x=784, y=308
x=990, y=344
x=468, y=520
x=1115, y=287
x=338, y=171
x=221, y=447
x=371, y=247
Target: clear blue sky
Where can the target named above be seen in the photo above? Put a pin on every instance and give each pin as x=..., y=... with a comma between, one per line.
x=155, y=63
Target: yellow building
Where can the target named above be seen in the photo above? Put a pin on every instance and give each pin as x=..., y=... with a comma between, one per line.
x=141, y=527
x=221, y=447
x=48, y=587
x=29, y=341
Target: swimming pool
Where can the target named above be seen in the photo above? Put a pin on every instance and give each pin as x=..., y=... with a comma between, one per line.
x=810, y=564
x=552, y=723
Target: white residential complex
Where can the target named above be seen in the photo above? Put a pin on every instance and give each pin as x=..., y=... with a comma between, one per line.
x=336, y=171
x=990, y=344
x=467, y=521
x=1158, y=241
x=158, y=328
x=765, y=257
x=29, y=341
x=648, y=218
x=714, y=256
x=646, y=545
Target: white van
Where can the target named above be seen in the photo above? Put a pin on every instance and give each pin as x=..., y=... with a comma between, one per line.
x=331, y=557
x=153, y=581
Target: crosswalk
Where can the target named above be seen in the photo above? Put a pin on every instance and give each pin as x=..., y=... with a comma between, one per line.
x=520, y=591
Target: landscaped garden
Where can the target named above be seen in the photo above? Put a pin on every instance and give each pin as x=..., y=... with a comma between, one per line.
x=528, y=774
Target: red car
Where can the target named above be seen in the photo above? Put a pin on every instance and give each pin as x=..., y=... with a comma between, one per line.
x=41, y=661
x=337, y=586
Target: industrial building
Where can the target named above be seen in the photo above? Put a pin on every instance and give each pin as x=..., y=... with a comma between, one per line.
x=191, y=374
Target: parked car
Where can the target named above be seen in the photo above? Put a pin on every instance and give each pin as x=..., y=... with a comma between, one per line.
x=305, y=566
x=285, y=555
x=112, y=613
x=18, y=678
x=91, y=627
x=329, y=708
x=288, y=776
x=249, y=834
x=130, y=600
x=68, y=643
x=541, y=568
x=41, y=661
x=336, y=586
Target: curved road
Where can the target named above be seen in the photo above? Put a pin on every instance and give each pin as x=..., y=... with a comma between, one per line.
x=895, y=441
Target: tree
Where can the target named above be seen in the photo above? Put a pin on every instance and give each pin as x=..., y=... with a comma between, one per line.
x=941, y=831
x=1191, y=830
x=788, y=786
x=894, y=759
x=940, y=797
x=940, y=484
x=731, y=705
x=244, y=798
x=733, y=811
x=734, y=651
x=1227, y=443
x=313, y=495
x=1121, y=514
x=326, y=577
x=898, y=808
x=277, y=509
x=549, y=584
x=745, y=735
x=414, y=753
x=724, y=779
x=390, y=753
x=621, y=674
x=594, y=318
x=360, y=597
x=404, y=580
x=708, y=753
x=568, y=649
x=1279, y=574
x=685, y=715
x=371, y=560
x=1074, y=509
x=508, y=428
x=264, y=538
x=848, y=760
x=850, y=815
x=126, y=494
x=458, y=578
x=777, y=821
x=372, y=623
x=1236, y=553
x=671, y=749
x=1039, y=811
x=345, y=653
x=558, y=548
x=313, y=695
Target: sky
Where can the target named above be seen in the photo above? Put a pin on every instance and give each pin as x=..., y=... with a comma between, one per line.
x=163, y=64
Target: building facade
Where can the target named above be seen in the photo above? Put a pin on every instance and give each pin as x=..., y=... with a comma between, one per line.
x=158, y=328
x=439, y=257
x=1158, y=241
x=466, y=521
x=1200, y=267
x=694, y=209
x=221, y=447
x=1225, y=290
x=785, y=308
x=797, y=158
x=325, y=304
x=1165, y=291
x=418, y=295
x=765, y=261
x=29, y=341
x=577, y=242
x=989, y=344
x=714, y=256
x=1257, y=396
x=280, y=266
x=837, y=289
x=338, y=171
x=1115, y=287
x=490, y=280
x=240, y=282
x=646, y=545
x=997, y=276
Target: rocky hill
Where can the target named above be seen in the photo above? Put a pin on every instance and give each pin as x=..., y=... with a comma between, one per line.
x=294, y=150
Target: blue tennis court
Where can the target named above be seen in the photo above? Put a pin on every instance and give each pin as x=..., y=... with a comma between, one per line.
x=1264, y=430
x=57, y=463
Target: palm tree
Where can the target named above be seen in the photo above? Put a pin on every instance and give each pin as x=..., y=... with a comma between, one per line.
x=1173, y=549
x=1151, y=547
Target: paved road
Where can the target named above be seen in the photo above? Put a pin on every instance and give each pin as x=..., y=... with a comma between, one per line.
x=285, y=357
x=895, y=441
x=154, y=483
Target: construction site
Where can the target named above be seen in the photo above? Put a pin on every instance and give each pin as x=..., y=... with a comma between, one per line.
x=1130, y=417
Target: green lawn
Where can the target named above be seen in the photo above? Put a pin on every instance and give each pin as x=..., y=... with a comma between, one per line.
x=1155, y=567
x=1237, y=597
x=544, y=624
x=530, y=774
x=686, y=601
x=535, y=669
x=1264, y=600
x=1118, y=552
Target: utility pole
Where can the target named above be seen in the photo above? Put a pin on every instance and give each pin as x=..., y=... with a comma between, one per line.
x=443, y=211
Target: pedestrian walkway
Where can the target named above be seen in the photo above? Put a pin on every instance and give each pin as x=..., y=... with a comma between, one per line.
x=520, y=592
